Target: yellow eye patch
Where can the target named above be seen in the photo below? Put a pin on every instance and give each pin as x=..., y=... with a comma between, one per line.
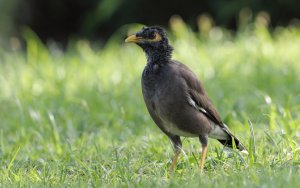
x=156, y=38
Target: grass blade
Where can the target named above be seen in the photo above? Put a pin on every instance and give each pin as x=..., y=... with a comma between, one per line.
x=11, y=163
x=252, y=151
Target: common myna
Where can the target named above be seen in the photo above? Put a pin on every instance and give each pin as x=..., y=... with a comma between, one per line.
x=175, y=98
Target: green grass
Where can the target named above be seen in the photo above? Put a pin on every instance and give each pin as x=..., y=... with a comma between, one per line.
x=77, y=118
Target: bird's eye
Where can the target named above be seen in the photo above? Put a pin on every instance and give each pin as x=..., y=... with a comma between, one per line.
x=152, y=35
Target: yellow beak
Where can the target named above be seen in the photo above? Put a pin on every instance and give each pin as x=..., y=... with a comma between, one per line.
x=133, y=38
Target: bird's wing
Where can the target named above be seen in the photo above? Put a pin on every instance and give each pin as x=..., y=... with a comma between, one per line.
x=203, y=104
x=198, y=98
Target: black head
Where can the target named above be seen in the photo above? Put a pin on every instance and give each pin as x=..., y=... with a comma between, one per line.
x=154, y=42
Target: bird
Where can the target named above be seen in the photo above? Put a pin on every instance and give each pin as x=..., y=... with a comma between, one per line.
x=176, y=99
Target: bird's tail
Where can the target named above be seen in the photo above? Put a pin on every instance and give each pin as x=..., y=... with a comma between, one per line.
x=237, y=143
x=232, y=140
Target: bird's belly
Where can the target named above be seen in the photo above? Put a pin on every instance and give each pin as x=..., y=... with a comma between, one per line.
x=166, y=110
x=173, y=129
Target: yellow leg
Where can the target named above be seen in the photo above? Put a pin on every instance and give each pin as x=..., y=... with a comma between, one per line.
x=174, y=161
x=202, y=159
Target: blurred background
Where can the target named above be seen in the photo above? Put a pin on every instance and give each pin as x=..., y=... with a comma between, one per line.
x=62, y=20
x=71, y=106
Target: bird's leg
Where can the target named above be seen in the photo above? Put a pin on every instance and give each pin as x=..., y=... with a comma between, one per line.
x=202, y=159
x=177, y=148
x=204, y=143
x=174, y=161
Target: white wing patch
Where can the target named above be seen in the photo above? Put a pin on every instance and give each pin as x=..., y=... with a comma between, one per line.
x=193, y=104
x=217, y=132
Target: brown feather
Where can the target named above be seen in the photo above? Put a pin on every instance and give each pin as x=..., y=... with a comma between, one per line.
x=198, y=94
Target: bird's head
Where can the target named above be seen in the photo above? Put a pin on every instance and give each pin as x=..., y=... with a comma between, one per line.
x=153, y=40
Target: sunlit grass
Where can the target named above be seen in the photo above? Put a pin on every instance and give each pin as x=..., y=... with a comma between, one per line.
x=77, y=118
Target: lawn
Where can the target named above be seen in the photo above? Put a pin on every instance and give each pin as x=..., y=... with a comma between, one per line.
x=76, y=118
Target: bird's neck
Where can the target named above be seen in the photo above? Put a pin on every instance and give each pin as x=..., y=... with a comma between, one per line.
x=158, y=56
